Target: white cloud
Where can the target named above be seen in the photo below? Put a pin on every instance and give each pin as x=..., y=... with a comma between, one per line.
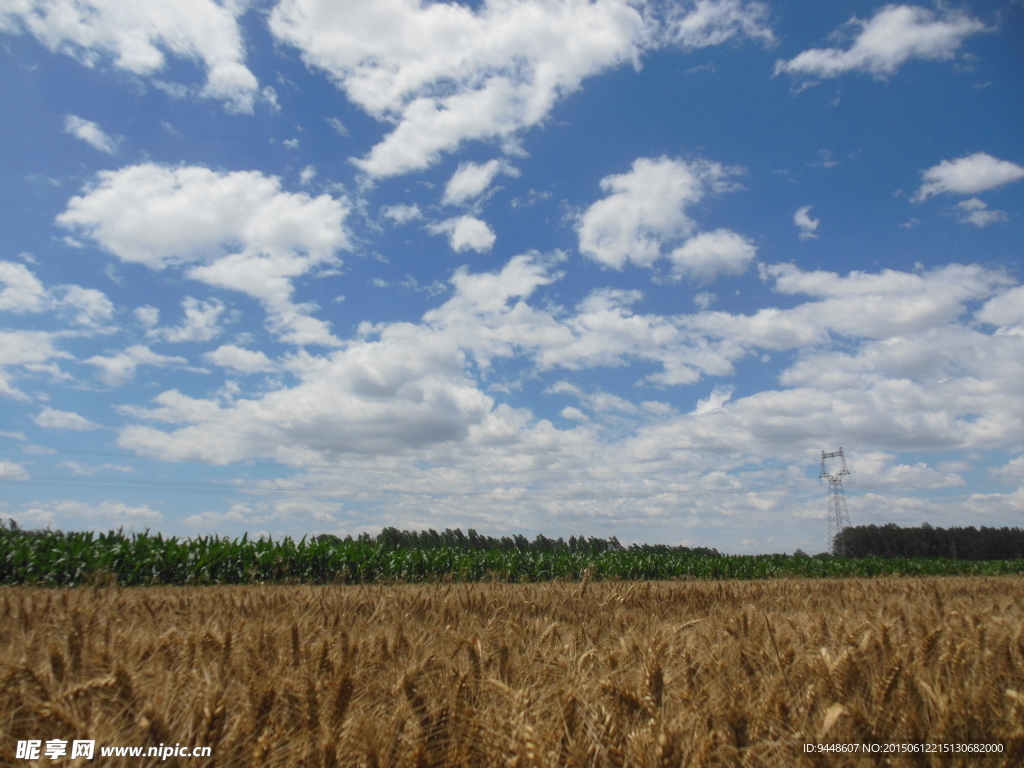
x=646, y=209
x=975, y=211
x=199, y=324
x=11, y=471
x=338, y=126
x=889, y=303
x=30, y=350
x=404, y=389
x=710, y=254
x=598, y=402
x=574, y=414
x=119, y=368
x=307, y=175
x=308, y=514
x=243, y=230
x=1006, y=309
x=877, y=470
x=719, y=396
x=1011, y=473
x=137, y=33
x=90, y=133
x=22, y=292
x=90, y=469
x=938, y=389
x=161, y=216
x=86, y=306
x=489, y=316
x=704, y=299
x=893, y=35
x=53, y=419
x=808, y=226
x=884, y=362
x=713, y=22
x=147, y=316
x=239, y=359
x=401, y=213
x=968, y=176
x=444, y=73
x=470, y=180
x=76, y=515
x=465, y=233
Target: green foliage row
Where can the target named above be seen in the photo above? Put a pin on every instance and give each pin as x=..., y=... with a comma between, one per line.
x=392, y=539
x=955, y=543
x=54, y=558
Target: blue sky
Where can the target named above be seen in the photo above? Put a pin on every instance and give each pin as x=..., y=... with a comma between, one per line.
x=561, y=267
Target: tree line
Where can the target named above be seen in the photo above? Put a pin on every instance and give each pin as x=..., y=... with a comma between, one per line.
x=969, y=543
x=394, y=539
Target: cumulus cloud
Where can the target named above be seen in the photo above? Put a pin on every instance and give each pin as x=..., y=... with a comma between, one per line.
x=808, y=226
x=22, y=293
x=719, y=396
x=884, y=362
x=86, y=307
x=78, y=515
x=31, y=351
x=489, y=316
x=236, y=230
x=54, y=419
x=445, y=73
x=1012, y=472
x=878, y=469
x=90, y=133
x=201, y=322
x=470, y=180
x=240, y=359
x=882, y=44
x=465, y=233
x=875, y=305
x=402, y=213
x=137, y=33
x=11, y=471
x=575, y=414
x=147, y=316
x=404, y=388
x=968, y=176
x=1006, y=309
x=119, y=368
x=270, y=515
x=710, y=254
x=976, y=212
x=713, y=22
x=704, y=299
x=597, y=402
x=646, y=208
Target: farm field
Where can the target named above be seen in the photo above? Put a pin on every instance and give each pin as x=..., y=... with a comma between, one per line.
x=607, y=673
x=59, y=559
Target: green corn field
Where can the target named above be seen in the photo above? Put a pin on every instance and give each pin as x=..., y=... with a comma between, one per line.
x=54, y=558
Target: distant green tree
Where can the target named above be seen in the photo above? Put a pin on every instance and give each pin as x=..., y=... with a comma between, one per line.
x=890, y=540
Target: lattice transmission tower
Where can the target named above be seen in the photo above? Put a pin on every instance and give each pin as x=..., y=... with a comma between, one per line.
x=833, y=467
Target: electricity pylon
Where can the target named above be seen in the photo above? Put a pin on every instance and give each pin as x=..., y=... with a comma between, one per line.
x=838, y=515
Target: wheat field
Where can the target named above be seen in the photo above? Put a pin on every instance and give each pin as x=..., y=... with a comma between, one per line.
x=535, y=675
